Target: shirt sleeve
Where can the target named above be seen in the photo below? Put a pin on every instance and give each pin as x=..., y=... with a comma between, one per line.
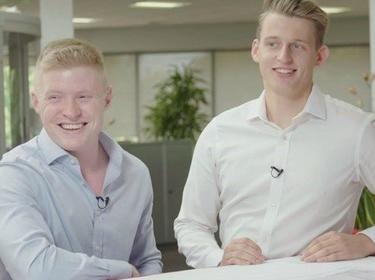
x=197, y=221
x=27, y=247
x=366, y=163
x=145, y=256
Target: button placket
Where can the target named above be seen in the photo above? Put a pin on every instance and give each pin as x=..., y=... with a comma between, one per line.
x=275, y=193
x=98, y=233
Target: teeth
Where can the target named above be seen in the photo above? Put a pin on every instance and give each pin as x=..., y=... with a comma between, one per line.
x=71, y=126
x=284, y=71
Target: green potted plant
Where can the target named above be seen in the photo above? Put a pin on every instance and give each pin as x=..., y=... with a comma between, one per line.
x=177, y=113
x=366, y=211
x=366, y=208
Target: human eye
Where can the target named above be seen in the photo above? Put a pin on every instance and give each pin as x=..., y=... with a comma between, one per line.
x=85, y=97
x=297, y=46
x=53, y=97
x=271, y=44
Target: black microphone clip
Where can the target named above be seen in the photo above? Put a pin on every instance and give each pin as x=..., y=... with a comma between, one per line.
x=276, y=172
x=102, y=202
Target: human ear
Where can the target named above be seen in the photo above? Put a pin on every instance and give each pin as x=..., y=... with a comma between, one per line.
x=254, y=50
x=108, y=96
x=322, y=55
x=35, y=100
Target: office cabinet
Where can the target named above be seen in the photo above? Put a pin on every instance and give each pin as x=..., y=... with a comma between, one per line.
x=169, y=163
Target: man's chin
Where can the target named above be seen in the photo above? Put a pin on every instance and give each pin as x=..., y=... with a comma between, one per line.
x=70, y=146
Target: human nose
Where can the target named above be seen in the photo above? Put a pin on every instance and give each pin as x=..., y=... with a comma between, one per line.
x=284, y=54
x=72, y=109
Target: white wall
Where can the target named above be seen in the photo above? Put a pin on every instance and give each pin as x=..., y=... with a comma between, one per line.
x=120, y=118
x=202, y=37
x=344, y=70
x=237, y=79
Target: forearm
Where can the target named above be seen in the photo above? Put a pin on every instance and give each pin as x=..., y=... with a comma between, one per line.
x=28, y=251
x=153, y=267
x=56, y=263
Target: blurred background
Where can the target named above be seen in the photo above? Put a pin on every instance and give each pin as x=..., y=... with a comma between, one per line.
x=144, y=44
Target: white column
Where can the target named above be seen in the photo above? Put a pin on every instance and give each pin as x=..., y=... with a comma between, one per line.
x=56, y=17
x=2, y=101
x=372, y=49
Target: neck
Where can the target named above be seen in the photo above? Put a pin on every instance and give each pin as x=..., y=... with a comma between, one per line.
x=92, y=160
x=281, y=109
x=93, y=168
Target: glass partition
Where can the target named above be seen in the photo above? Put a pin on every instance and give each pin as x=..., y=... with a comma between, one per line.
x=16, y=33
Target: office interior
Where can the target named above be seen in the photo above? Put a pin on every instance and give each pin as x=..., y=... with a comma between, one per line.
x=141, y=46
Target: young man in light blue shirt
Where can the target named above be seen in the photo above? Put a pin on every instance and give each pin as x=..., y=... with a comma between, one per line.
x=73, y=204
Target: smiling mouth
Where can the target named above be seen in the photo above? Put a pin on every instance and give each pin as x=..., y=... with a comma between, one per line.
x=72, y=126
x=287, y=71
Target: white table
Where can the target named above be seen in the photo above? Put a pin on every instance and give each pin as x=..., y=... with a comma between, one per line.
x=280, y=269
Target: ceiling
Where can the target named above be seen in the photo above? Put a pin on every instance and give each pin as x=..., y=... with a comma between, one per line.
x=117, y=13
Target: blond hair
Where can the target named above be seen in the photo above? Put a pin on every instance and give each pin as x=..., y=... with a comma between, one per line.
x=67, y=53
x=297, y=8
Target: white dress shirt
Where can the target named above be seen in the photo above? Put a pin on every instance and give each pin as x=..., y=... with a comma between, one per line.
x=327, y=154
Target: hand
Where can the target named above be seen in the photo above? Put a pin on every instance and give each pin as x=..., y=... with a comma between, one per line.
x=135, y=272
x=334, y=246
x=242, y=251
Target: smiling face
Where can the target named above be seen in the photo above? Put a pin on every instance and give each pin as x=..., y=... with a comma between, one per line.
x=71, y=103
x=287, y=54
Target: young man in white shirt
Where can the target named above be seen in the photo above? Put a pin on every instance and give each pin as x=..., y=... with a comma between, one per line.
x=73, y=203
x=283, y=173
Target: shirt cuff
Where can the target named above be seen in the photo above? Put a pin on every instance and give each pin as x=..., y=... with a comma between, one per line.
x=213, y=259
x=370, y=233
x=119, y=269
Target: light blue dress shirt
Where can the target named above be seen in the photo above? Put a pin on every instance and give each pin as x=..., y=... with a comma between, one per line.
x=51, y=226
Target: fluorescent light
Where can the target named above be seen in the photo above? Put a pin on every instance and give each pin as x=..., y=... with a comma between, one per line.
x=10, y=9
x=335, y=10
x=159, y=4
x=84, y=20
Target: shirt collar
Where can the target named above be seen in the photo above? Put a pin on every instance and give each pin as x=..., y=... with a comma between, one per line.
x=257, y=109
x=113, y=150
x=52, y=151
x=315, y=106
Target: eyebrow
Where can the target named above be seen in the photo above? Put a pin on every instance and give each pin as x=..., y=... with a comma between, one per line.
x=301, y=41
x=53, y=92
x=271, y=38
x=278, y=38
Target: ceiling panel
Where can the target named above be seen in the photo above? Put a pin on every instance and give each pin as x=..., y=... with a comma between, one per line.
x=117, y=13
